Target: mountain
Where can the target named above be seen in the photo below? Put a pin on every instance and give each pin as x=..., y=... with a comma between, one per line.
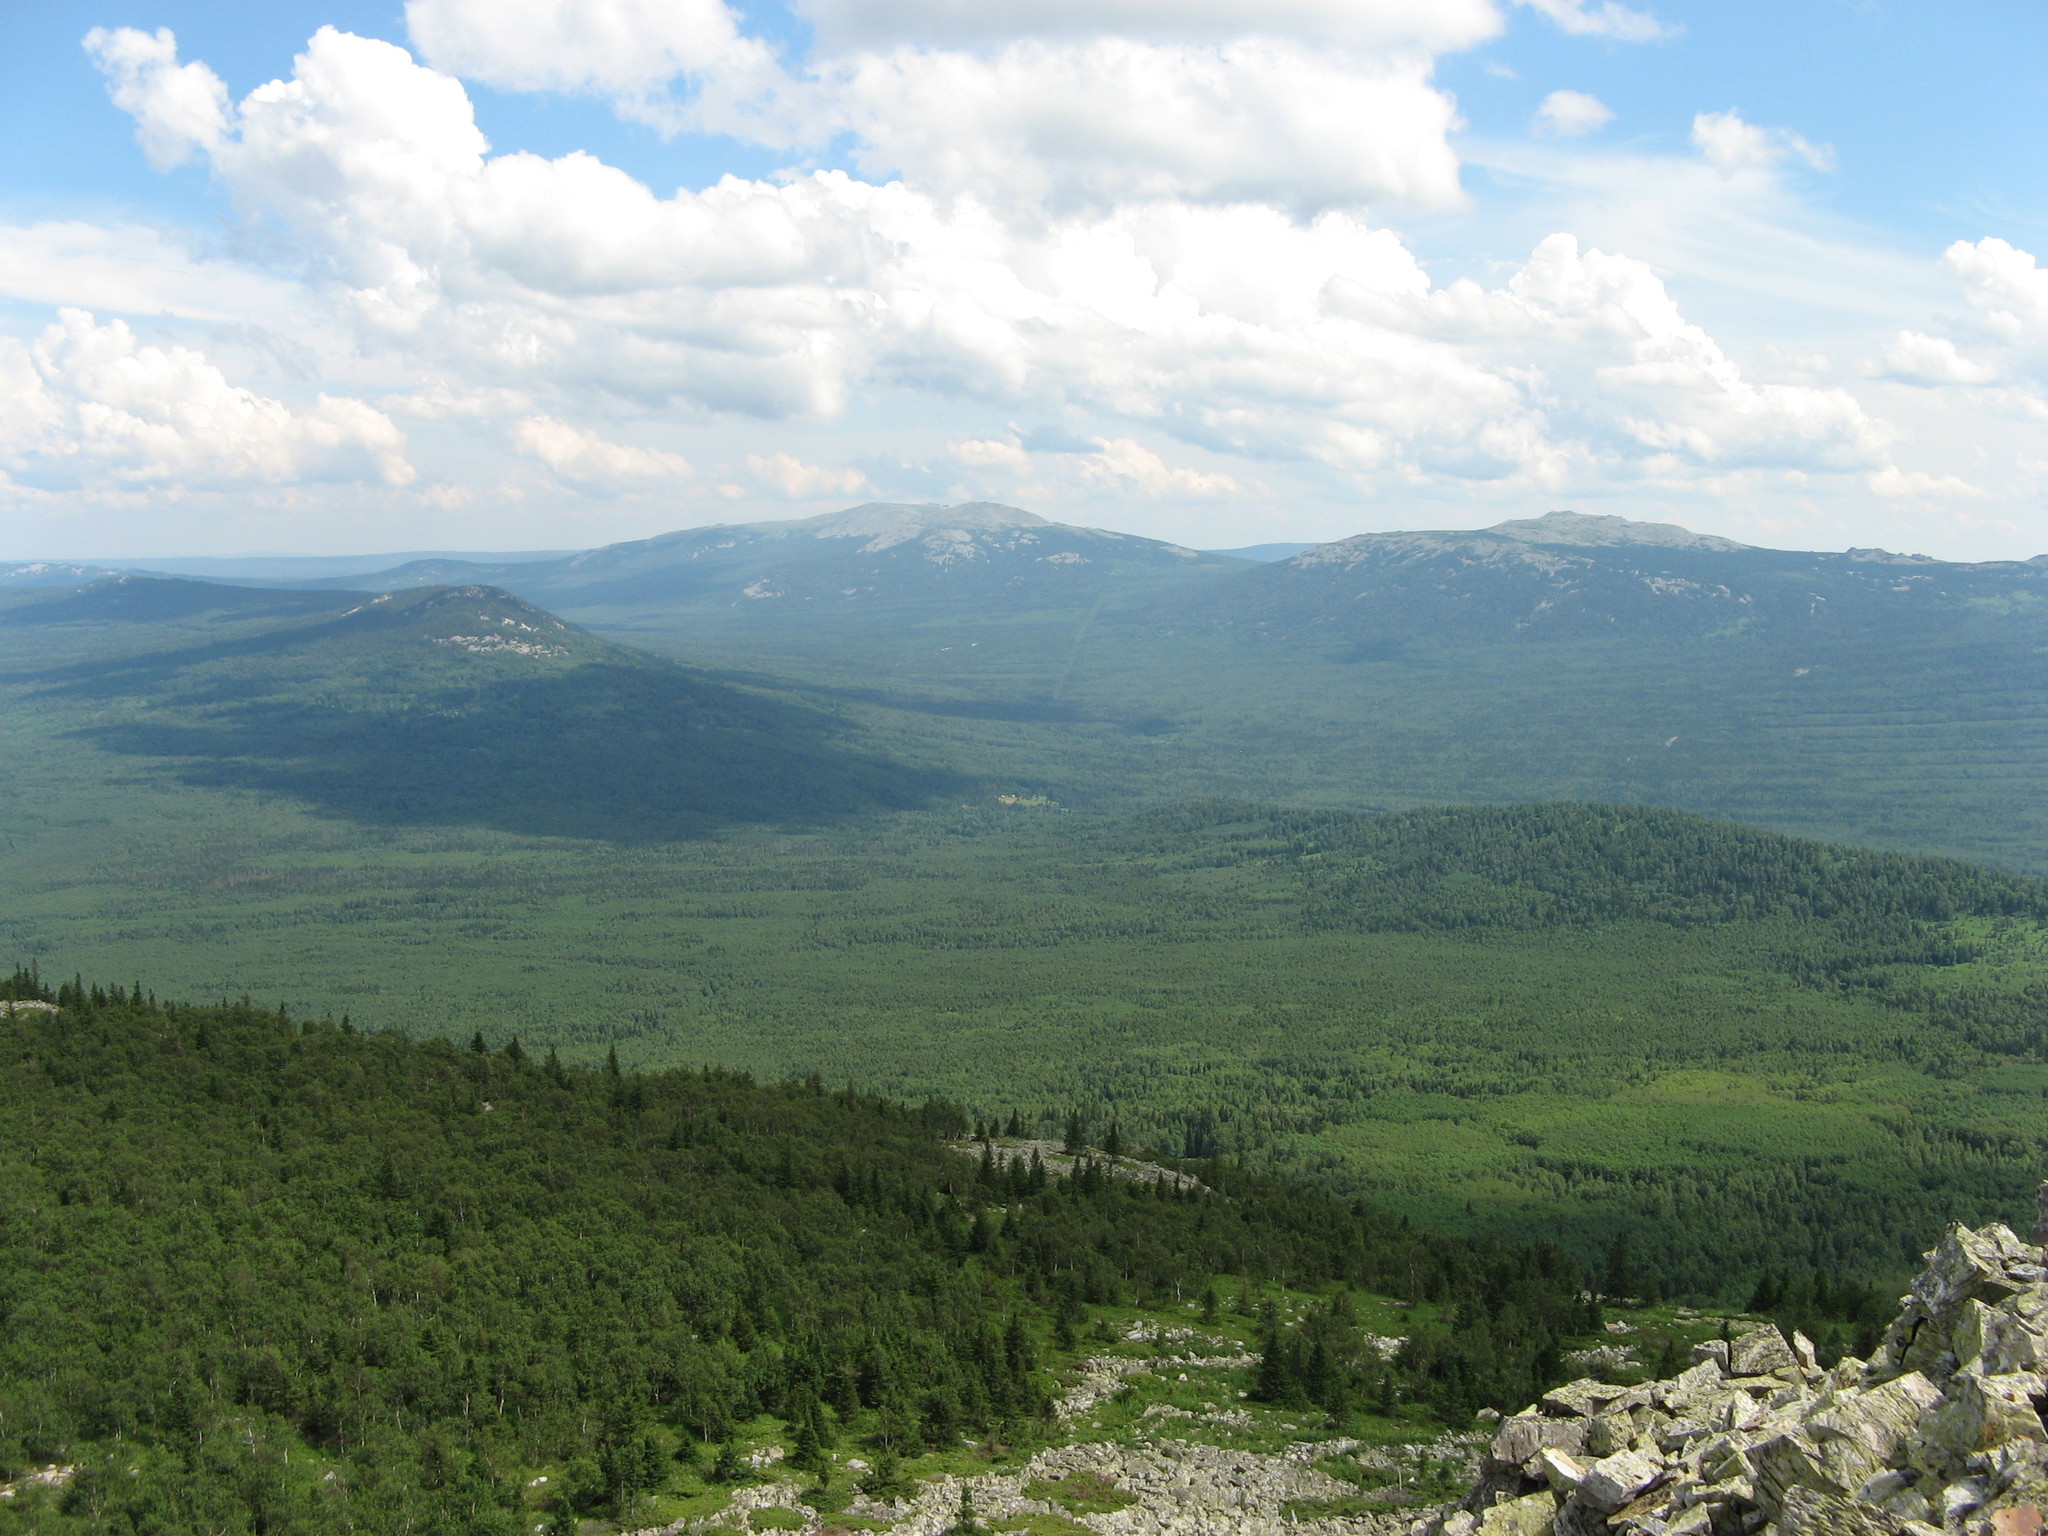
x=1570, y=575
x=53, y=573
x=881, y=554
x=438, y=705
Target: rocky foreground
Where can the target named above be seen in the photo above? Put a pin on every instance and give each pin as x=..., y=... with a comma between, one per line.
x=1940, y=1433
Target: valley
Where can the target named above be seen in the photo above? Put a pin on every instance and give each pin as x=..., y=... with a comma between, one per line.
x=1047, y=840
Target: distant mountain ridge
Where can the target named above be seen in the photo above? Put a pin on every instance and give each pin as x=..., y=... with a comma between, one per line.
x=1570, y=574
x=880, y=553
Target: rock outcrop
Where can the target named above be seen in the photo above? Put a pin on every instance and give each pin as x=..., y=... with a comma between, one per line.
x=1939, y=1433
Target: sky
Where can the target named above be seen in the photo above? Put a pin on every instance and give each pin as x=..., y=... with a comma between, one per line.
x=500, y=274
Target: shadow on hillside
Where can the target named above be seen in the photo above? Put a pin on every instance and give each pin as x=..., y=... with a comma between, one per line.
x=613, y=752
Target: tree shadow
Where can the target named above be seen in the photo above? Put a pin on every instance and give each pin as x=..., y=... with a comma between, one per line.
x=612, y=751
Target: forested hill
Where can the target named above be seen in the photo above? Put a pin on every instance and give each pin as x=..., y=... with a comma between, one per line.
x=265, y=1275
x=434, y=706
x=1532, y=866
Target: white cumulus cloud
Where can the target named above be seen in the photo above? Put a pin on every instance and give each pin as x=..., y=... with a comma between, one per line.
x=585, y=459
x=1581, y=18
x=1730, y=144
x=798, y=481
x=178, y=108
x=2004, y=282
x=1917, y=358
x=1130, y=465
x=1114, y=120
x=1435, y=26
x=991, y=453
x=1228, y=323
x=1569, y=114
x=86, y=403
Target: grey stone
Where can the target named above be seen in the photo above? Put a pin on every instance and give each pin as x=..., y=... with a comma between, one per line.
x=1996, y=1342
x=1761, y=1352
x=1607, y=1433
x=1615, y=1480
x=1968, y=1265
x=1563, y=1471
x=1880, y=1420
x=1521, y=1437
x=1584, y=1396
x=1530, y=1516
x=1810, y=1513
x=1981, y=1412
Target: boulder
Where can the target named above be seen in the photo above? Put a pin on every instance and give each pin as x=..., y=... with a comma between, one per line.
x=1586, y=1395
x=1530, y=1516
x=1564, y=1472
x=1520, y=1438
x=1607, y=1433
x=1615, y=1480
x=1808, y=1513
x=1981, y=1412
x=1761, y=1352
x=1880, y=1421
x=1996, y=1342
x=1973, y=1266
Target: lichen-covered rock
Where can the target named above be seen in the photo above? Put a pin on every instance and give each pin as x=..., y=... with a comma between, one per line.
x=1761, y=1352
x=1533, y=1515
x=1586, y=1395
x=1615, y=1480
x=1562, y=1471
x=1995, y=1342
x=1981, y=1412
x=1941, y=1433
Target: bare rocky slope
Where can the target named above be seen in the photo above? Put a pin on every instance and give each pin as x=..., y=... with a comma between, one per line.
x=1939, y=1431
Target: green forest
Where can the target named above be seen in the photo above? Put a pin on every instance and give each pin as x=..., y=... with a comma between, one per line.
x=268, y=1275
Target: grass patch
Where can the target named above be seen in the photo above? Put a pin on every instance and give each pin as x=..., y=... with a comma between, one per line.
x=1081, y=1493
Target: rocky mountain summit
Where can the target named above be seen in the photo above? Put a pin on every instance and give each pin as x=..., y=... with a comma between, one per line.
x=1940, y=1431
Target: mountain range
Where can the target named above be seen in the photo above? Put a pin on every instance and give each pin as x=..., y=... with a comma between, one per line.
x=1885, y=698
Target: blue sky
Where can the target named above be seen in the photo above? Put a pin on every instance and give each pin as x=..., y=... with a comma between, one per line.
x=1282, y=270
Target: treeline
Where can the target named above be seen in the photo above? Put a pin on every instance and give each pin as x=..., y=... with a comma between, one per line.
x=267, y=1275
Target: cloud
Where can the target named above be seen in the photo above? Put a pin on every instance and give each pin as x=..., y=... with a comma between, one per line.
x=86, y=403
x=135, y=270
x=798, y=481
x=1568, y=114
x=1233, y=326
x=2005, y=283
x=1607, y=19
x=1916, y=358
x=990, y=453
x=1899, y=484
x=629, y=47
x=1112, y=120
x=178, y=108
x=1129, y=465
x=1312, y=103
x=1434, y=26
x=1731, y=145
x=2006, y=338
x=635, y=51
x=584, y=459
